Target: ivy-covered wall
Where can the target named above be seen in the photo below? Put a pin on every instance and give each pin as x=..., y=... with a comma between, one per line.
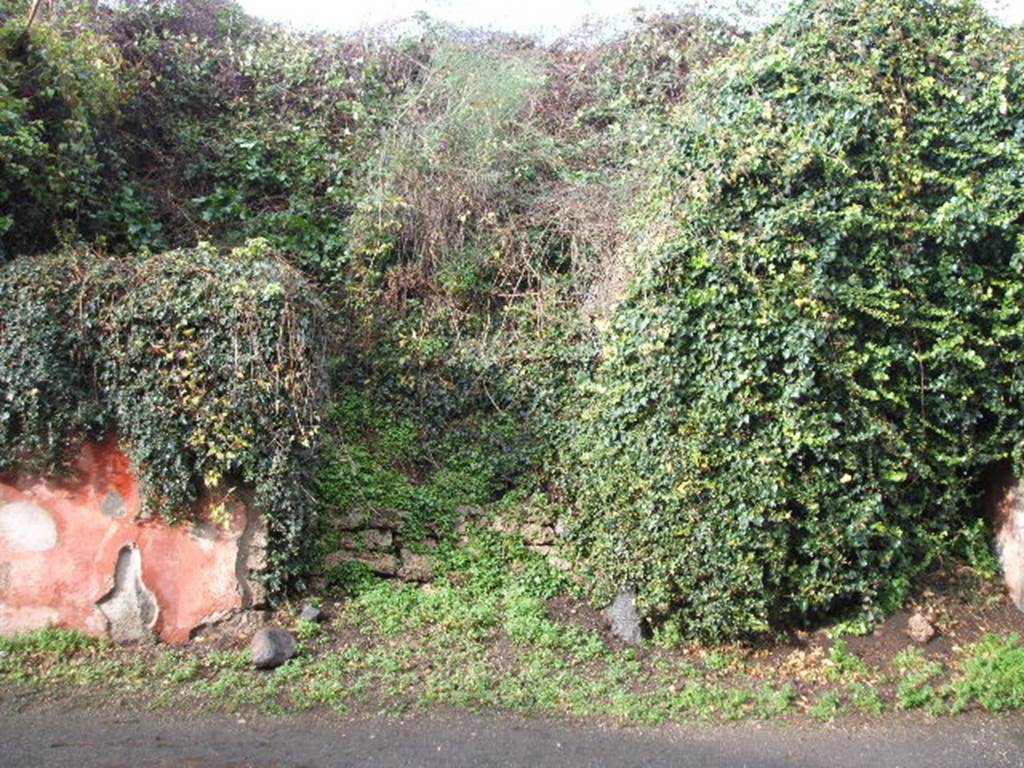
x=740, y=308
x=208, y=366
x=794, y=405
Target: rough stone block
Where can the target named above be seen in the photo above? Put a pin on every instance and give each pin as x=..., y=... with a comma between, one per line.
x=353, y=520
x=379, y=539
x=130, y=607
x=416, y=566
x=1007, y=511
x=381, y=563
x=311, y=612
x=271, y=648
x=920, y=629
x=624, y=619
x=535, y=533
x=27, y=527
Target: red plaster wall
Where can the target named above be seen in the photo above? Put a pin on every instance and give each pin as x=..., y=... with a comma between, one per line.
x=1006, y=508
x=192, y=577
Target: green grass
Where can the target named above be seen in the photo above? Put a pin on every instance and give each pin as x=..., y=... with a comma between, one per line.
x=866, y=698
x=52, y=640
x=719, y=660
x=828, y=706
x=916, y=681
x=843, y=663
x=481, y=638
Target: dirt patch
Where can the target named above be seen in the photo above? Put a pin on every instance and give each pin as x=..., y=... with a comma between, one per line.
x=566, y=610
x=962, y=608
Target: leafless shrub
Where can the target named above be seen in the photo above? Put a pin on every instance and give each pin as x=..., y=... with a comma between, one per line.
x=511, y=165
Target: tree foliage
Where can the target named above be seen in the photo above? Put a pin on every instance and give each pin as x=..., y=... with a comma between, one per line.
x=57, y=92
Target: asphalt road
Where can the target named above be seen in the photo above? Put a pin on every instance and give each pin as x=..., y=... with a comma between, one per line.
x=114, y=739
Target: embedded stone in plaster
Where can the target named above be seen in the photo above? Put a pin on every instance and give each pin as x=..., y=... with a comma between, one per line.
x=252, y=562
x=27, y=527
x=204, y=531
x=379, y=539
x=114, y=505
x=130, y=608
x=205, y=535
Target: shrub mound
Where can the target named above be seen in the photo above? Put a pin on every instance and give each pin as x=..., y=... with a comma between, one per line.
x=796, y=399
x=209, y=366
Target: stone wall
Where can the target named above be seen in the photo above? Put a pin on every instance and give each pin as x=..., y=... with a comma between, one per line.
x=74, y=553
x=376, y=540
x=540, y=534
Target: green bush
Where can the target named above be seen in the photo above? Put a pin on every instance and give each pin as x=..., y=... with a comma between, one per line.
x=799, y=391
x=56, y=91
x=208, y=366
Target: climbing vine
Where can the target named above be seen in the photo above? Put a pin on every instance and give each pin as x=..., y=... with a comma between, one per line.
x=796, y=400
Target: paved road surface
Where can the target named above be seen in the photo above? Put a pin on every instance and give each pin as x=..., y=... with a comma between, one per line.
x=117, y=739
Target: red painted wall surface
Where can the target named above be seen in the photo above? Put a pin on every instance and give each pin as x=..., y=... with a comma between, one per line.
x=191, y=571
x=1006, y=509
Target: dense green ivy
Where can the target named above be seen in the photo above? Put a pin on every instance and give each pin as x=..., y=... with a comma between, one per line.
x=795, y=401
x=208, y=366
x=57, y=92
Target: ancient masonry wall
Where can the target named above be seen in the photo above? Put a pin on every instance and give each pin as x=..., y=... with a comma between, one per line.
x=376, y=540
x=74, y=553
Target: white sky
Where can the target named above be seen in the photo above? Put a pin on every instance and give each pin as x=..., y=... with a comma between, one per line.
x=546, y=17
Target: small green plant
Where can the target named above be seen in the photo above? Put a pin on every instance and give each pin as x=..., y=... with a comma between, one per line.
x=843, y=664
x=719, y=660
x=178, y=667
x=866, y=698
x=772, y=701
x=992, y=675
x=916, y=678
x=307, y=629
x=975, y=542
x=351, y=577
x=828, y=706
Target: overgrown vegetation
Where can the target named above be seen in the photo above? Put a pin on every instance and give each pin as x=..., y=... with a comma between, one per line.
x=210, y=365
x=57, y=92
x=795, y=402
x=740, y=308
